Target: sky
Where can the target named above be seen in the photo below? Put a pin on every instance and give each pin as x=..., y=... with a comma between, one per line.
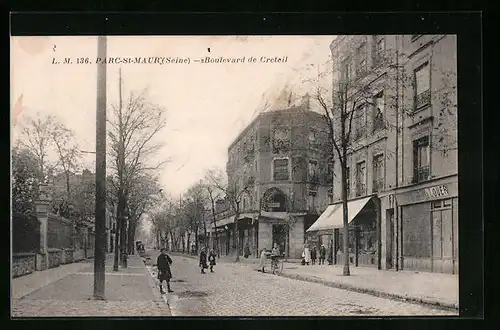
x=207, y=104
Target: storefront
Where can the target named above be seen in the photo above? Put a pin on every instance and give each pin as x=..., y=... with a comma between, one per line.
x=364, y=231
x=429, y=226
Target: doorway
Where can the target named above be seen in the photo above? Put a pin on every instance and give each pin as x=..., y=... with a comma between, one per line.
x=442, y=237
x=279, y=236
x=390, y=239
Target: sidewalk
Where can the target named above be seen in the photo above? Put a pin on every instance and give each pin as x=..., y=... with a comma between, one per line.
x=428, y=288
x=434, y=289
x=68, y=290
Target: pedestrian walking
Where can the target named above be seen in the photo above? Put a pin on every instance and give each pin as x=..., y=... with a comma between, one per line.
x=322, y=254
x=211, y=260
x=263, y=257
x=306, y=255
x=313, y=255
x=203, y=260
x=247, y=250
x=163, y=263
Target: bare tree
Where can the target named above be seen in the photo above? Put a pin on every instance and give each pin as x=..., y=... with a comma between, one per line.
x=213, y=194
x=134, y=126
x=234, y=191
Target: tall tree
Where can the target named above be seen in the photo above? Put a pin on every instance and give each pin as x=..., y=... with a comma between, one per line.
x=213, y=194
x=134, y=125
x=234, y=190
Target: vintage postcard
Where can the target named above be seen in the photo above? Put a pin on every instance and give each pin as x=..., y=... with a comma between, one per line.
x=234, y=176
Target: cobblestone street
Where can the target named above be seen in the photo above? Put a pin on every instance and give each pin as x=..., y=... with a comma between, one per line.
x=238, y=290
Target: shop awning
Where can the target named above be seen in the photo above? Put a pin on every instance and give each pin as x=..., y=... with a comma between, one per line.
x=332, y=217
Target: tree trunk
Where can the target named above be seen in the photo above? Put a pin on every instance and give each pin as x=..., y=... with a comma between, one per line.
x=131, y=237
x=215, y=228
x=196, y=239
x=237, y=233
x=183, y=242
x=346, y=271
x=188, y=242
x=68, y=187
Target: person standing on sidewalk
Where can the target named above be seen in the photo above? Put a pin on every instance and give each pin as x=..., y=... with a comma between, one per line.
x=307, y=255
x=164, y=274
x=203, y=260
x=211, y=260
x=313, y=255
x=322, y=254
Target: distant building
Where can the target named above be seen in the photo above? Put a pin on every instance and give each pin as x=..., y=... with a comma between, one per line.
x=280, y=157
x=402, y=172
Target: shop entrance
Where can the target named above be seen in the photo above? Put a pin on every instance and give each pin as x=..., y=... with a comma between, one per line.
x=279, y=236
x=390, y=238
x=442, y=236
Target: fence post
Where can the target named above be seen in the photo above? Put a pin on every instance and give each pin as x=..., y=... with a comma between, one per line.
x=42, y=214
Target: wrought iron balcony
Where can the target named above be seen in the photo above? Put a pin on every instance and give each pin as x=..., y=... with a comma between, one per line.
x=421, y=174
x=422, y=99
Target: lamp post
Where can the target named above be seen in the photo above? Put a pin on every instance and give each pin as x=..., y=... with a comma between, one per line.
x=100, y=170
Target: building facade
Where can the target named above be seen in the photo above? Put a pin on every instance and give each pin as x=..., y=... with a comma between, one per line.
x=281, y=159
x=404, y=150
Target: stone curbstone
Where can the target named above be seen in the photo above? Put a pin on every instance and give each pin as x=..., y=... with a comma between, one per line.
x=376, y=293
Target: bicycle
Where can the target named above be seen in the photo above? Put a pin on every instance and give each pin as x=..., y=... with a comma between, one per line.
x=277, y=265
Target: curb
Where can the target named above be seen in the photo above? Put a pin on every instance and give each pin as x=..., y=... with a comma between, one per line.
x=376, y=293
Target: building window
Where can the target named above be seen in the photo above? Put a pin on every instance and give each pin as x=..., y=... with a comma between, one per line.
x=329, y=174
x=313, y=171
x=345, y=70
x=379, y=50
x=361, y=179
x=444, y=203
x=280, y=139
x=361, y=59
x=313, y=139
x=281, y=169
x=360, y=122
x=422, y=80
x=378, y=112
x=421, y=159
x=378, y=173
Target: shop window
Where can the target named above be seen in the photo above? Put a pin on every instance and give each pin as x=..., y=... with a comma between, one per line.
x=421, y=160
x=422, y=93
x=281, y=169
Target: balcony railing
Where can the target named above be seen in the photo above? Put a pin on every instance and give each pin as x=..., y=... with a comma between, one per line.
x=360, y=189
x=421, y=174
x=422, y=99
x=378, y=185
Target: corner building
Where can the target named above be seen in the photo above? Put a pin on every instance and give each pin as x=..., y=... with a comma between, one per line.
x=280, y=156
x=403, y=167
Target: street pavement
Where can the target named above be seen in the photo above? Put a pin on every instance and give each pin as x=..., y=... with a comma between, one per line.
x=129, y=292
x=235, y=289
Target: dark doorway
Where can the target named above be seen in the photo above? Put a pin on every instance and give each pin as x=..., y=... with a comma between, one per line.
x=279, y=236
x=390, y=238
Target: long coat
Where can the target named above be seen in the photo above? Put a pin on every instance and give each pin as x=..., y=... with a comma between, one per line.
x=313, y=254
x=211, y=259
x=203, y=259
x=163, y=263
x=322, y=252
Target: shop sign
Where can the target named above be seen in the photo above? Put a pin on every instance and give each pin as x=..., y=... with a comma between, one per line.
x=273, y=205
x=436, y=192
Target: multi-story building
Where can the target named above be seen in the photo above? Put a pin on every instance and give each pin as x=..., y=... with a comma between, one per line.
x=280, y=158
x=402, y=165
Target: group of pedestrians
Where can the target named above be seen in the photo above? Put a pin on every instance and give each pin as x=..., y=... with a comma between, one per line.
x=309, y=256
x=163, y=263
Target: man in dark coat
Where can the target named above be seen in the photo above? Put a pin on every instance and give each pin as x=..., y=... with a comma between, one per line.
x=164, y=274
x=203, y=260
x=322, y=254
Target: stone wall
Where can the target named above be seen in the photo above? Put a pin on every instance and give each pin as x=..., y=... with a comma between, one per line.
x=67, y=256
x=59, y=232
x=78, y=254
x=55, y=256
x=23, y=263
